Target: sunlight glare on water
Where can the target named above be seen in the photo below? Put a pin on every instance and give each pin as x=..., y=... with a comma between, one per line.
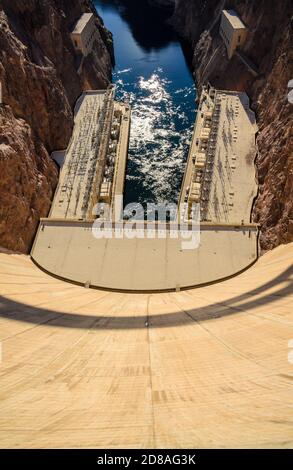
x=157, y=83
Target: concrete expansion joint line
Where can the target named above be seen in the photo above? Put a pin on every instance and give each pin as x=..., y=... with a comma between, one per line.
x=241, y=309
x=46, y=322
x=147, y=324
x=77, y=341
x=37, y=371
x=223, y=343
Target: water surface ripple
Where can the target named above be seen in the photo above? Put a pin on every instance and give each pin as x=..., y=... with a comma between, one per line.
x=152, y=74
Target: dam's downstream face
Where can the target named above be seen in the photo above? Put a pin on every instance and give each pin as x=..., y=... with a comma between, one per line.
x=151, y=72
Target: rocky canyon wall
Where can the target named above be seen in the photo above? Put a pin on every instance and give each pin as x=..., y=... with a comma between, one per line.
x=270, y=48
x=40, y=84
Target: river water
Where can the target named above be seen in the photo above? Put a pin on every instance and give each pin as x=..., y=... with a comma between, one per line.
x=151, y=72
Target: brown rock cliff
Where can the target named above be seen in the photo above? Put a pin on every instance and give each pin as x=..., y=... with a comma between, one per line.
x=270, y=47
x=38, y=71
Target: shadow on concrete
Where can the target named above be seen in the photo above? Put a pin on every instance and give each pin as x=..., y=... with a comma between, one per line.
x=16, y=311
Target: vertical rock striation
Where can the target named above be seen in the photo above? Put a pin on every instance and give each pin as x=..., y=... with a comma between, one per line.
x=40, y=82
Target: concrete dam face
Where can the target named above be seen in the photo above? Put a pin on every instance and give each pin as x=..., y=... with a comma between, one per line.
x=133, y=329
x=205, y=367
